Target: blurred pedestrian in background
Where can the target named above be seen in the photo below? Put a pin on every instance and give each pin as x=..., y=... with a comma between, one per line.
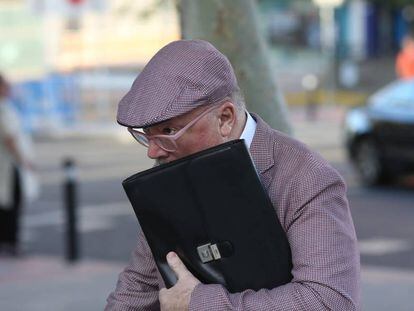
x=404, y=65
x=15, y=161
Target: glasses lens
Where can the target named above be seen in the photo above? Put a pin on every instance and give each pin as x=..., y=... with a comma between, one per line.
x=140, y=137
x=163, y=142
x=166, y=144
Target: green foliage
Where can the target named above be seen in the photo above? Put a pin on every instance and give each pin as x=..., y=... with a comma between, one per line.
x=393, y=3
x=383, y=3
x=151, y=9
x=128, y=7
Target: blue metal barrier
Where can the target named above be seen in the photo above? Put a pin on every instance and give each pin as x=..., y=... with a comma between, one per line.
x=51, y=102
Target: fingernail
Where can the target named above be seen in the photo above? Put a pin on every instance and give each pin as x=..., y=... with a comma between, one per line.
x=171, y=255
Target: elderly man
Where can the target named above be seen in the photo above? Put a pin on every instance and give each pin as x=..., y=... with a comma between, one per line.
x=185, y=100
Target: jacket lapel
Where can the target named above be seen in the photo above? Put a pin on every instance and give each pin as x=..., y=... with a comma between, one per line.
x=261, y=150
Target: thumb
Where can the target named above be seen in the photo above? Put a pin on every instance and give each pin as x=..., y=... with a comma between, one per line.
x=177, y=265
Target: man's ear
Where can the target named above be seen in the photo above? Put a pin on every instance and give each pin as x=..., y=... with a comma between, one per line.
x=227, y=119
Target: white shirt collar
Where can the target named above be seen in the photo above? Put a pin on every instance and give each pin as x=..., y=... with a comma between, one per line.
x=249, y=130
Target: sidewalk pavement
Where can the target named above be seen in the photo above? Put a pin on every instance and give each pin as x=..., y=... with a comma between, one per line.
x=46, y=283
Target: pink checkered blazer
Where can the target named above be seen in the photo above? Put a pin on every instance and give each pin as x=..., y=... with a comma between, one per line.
x=310, y=200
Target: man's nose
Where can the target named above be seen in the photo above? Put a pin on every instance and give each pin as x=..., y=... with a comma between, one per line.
x=155, y=152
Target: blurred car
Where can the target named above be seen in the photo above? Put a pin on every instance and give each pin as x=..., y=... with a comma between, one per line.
x=379, y=136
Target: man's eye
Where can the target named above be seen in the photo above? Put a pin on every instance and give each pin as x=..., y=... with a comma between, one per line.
x=168, y=131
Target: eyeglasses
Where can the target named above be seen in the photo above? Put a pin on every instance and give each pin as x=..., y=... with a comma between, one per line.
x=165, y=142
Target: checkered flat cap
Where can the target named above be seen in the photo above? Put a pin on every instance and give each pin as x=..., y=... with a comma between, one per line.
x=180, y=77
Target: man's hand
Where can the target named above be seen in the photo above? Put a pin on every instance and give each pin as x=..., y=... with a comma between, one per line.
x=177, y=298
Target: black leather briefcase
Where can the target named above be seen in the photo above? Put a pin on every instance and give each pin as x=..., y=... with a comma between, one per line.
x=211, y=209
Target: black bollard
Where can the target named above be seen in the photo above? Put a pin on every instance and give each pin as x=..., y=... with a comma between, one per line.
x=70, y=201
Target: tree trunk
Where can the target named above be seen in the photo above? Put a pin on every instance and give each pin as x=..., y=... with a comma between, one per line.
x=232, y=26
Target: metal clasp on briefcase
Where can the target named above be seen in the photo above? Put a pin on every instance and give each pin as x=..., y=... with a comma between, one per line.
x=208, y=252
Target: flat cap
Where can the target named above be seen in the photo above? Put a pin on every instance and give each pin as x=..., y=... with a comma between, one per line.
x=180, y=77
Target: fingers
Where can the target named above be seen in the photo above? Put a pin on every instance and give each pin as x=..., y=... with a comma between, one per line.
x=177, y=265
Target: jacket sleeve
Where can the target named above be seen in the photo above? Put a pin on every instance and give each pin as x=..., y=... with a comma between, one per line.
x=137, y=287
x=325, y=258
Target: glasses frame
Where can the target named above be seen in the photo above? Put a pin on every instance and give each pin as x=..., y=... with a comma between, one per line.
x=144, y=139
